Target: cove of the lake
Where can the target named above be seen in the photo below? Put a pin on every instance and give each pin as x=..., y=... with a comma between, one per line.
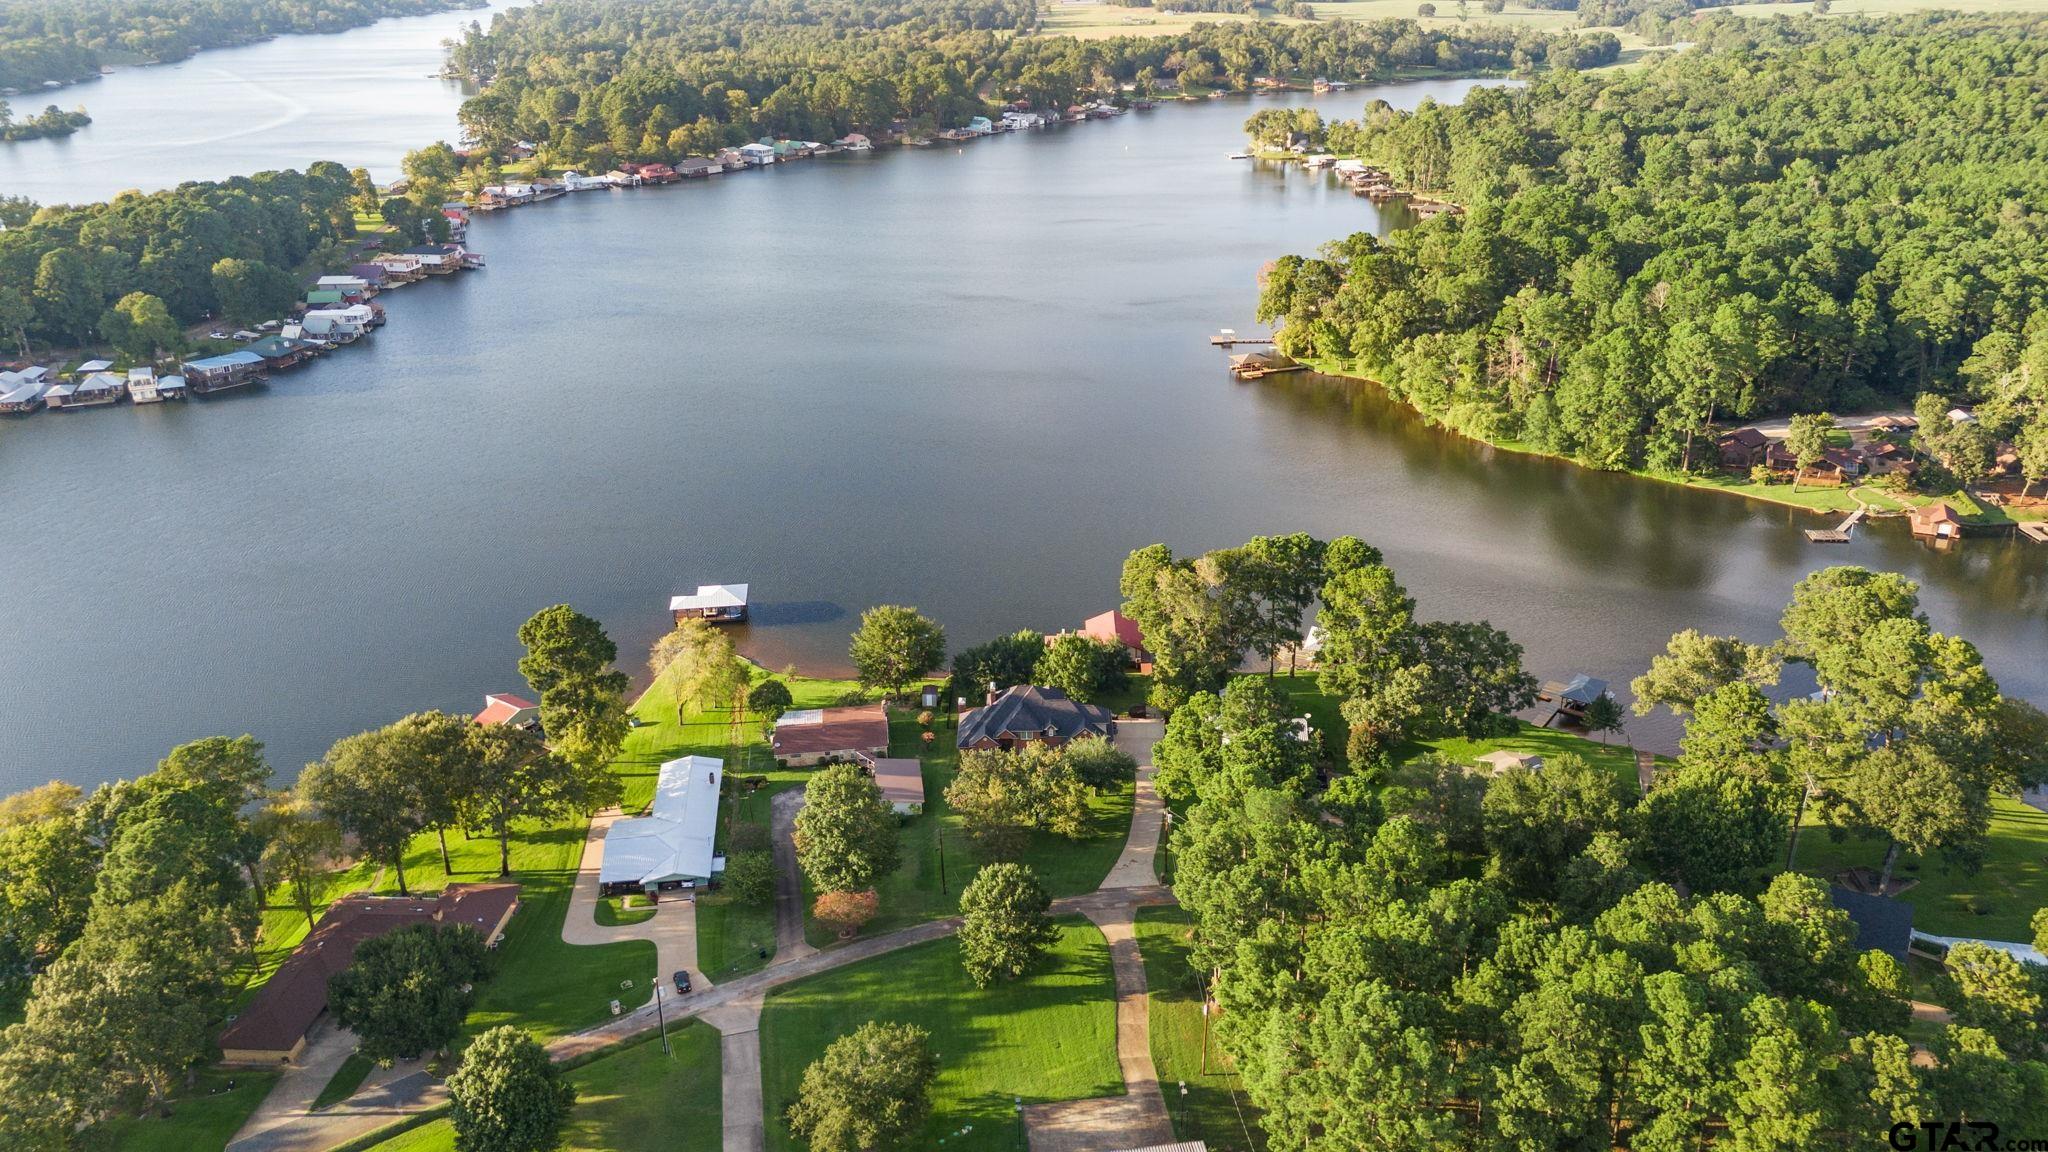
x=965, y=378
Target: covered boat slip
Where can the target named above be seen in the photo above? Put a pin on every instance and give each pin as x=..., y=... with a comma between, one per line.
x=671, y=846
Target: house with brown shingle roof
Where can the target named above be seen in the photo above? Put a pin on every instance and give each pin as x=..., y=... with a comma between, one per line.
x=272, y=1028
x=818, y=735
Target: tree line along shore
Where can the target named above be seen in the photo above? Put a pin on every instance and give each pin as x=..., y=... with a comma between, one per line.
x=1378, y=801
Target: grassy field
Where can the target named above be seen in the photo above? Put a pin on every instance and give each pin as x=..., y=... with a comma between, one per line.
x=1993, y=903
x=938, y=858
x=1214, y=1109
x=344, y=1082
x=1048, y=1036
x=635, y=1100
x=1549, y=743
x=204, y=1116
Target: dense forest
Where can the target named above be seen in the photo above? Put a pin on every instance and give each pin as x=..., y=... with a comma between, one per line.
x=1791, y=216
x=592, y=81
x=1417, y=956
x=189, y=247
x=64, y=40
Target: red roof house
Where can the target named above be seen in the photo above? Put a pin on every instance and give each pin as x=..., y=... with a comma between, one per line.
x=505, y=708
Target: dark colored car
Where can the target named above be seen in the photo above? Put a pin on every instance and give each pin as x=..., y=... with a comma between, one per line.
x=682, y=982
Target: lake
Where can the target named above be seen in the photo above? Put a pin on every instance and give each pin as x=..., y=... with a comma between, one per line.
x=362, y=97
x=967, y=378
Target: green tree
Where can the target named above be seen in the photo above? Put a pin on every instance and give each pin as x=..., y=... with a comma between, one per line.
x=1694, y=664
x=1001, y=796
x=17, y=314
x=1730, y=731
x=870, y=1090
x=299, y=851
x=407, y=991
x=1004, y=924
x=998, y=664
x=1807, y=439
x=1099, y=763
x=364, y=784
x=1537, y=821
x=845, y=832
x=1082, y=667
x=896, y=645
x=750, y=877
x=514, y=777
x=68, y=296
x=582, y=697
x=1602, y=716
x=1993, y=991
x=508, y=1096
x=1187, y=619
x=251, y=291
x=140, y=327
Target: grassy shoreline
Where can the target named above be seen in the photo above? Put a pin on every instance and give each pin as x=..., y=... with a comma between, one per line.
x=1819, y=500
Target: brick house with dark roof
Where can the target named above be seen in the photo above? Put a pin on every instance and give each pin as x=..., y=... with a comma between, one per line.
x=1027, y=714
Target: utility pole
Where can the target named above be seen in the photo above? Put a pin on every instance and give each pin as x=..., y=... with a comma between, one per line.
x=662, y=1017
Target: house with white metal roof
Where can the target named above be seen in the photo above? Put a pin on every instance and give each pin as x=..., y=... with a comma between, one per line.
x=671, y=846
x=718, y=603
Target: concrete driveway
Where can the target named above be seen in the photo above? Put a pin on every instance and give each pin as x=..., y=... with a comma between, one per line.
x=673, y=930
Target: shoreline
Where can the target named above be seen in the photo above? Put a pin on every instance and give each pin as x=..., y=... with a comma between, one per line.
x=1845, y=505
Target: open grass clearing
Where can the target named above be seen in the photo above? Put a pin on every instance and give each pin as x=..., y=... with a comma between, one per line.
x=1994, y=903
x=1050, y=1035
x=206, y=1115
x=638, y=1099
x=1213, y=1109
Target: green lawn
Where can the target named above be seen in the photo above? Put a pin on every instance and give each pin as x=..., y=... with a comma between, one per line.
x=1214, y=1109
x=623, y=911
x=542, y=984
x=1548, y=743
x=1994, y=903
x=938, y=858
x=344, y=1082
x=637, y=1099
x=1048, y=1036
x=205, y=1116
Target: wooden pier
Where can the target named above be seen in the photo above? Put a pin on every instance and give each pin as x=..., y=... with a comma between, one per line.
x=1229, y=339
x=2035, y=530
x=1839, y=534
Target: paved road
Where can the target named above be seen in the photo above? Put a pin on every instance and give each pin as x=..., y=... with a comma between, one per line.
x=1134, y=867
x=739, y=1049
x=789, y=883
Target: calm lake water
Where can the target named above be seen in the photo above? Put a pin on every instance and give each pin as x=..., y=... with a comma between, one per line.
x=970, y=379
x=361, y=97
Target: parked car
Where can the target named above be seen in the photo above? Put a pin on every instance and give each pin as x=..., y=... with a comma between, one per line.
x=216, y=334
x=682, y=983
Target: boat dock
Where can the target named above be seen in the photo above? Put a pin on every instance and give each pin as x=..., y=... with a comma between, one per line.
x=2035, y=530
x=1839, y=534
x=1230, y=339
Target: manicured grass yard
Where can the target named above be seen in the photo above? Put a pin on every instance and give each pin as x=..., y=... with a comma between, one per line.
x=205, y=1117
x=1214, y=1110
x=542, y=984
x=1048, y=1036
x=1994, y=903
x=635, y=1100
x=938, y=858
x=1549, y=743
x=344, y=1082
